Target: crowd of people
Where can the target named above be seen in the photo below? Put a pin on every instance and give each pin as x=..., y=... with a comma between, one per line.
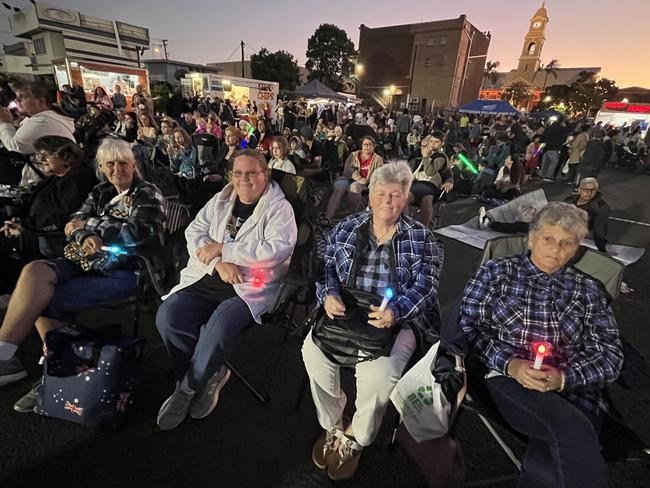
x=384, y=171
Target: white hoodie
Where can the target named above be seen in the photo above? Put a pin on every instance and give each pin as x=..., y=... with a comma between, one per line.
x=262, y=247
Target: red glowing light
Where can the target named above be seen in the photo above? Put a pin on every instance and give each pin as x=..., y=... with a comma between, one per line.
x=258, y=282
x=541, y=349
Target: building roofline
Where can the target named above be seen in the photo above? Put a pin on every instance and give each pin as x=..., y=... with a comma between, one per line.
x=460, y=18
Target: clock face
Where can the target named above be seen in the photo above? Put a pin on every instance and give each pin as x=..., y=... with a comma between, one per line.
x=537, y=24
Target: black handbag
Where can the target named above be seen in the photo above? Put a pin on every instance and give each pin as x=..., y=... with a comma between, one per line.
x=349, y=339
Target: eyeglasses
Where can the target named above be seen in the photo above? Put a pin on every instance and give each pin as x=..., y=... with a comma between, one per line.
x=590, y=190
x=246, y=175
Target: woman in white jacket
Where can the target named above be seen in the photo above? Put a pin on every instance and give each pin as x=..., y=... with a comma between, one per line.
x=240, y=245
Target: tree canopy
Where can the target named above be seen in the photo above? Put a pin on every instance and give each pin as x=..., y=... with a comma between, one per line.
x=329, y=51
x=279, y=66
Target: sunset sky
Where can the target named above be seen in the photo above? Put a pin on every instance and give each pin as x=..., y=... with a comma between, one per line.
x=611, y=34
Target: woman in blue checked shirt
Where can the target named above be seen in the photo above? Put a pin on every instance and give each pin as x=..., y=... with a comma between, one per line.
x=512, y=304
x=362, y=246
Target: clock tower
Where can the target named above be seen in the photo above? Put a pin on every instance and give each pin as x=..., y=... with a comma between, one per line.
x=534, y=41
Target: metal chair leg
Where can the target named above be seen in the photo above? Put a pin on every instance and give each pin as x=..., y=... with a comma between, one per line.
x=264, y=399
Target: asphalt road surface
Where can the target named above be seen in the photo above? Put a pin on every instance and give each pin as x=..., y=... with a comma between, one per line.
x=247, y=444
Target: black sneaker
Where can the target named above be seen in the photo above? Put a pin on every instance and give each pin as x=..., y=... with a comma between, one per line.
x=11, y=371
x=28, y=401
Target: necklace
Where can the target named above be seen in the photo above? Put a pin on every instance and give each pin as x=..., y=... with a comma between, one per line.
x=380, y=238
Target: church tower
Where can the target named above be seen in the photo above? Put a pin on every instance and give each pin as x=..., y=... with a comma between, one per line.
x=529, y=60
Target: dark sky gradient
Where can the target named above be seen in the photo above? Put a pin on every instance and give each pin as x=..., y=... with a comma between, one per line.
x=611, y=34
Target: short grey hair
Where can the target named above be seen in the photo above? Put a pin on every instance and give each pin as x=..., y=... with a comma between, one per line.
x=565, y=215
x=112, y=149
x=399, y=173
x=586, y=181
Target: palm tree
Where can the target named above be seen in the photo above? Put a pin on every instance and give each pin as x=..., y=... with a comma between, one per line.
x=490, y=72
x=550, y=69
x=516, y=94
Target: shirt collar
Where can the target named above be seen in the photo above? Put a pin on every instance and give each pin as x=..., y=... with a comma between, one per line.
x=533, y=272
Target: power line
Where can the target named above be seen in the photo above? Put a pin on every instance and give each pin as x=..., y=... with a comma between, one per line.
x=234, y=51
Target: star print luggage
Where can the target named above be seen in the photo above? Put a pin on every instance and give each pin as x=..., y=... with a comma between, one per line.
x=89, y=376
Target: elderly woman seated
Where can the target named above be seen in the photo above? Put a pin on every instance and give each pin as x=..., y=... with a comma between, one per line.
x=369, y=253
x=550, y=343
x=122, y=211
x=61, y=192
x=240, y=246
x=356, y=175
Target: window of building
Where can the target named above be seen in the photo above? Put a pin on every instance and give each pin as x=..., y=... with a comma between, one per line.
x=443, y=41
x=39, y=46
x=430, y=41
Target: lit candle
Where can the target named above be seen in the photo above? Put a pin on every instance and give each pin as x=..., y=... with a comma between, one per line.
x=541, y=351
x=387, y=297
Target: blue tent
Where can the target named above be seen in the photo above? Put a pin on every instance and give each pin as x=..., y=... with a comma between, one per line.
x=490, y=107
x=316, y=89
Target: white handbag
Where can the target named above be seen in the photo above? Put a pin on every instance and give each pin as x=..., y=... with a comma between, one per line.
x=420, y=401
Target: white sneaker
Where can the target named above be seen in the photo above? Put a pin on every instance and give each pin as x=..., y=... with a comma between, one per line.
x=483, y=220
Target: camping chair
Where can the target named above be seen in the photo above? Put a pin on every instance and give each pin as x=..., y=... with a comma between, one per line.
x=157, y=268
x=619, y=442
x=207, y=147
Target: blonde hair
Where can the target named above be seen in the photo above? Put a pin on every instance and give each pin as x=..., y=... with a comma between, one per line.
x=112, y=149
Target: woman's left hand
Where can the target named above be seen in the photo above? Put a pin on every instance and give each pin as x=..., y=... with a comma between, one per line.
x=381, y=319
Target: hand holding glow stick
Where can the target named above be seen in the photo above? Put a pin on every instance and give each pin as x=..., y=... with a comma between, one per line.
x=388, y=295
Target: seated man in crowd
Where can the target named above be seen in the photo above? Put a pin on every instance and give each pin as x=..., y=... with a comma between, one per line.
x=366, y=254
x=591, y=201
x=512, y=305
x=356, y=174
x=240, y=246
x=123, y=211
x=432, y=176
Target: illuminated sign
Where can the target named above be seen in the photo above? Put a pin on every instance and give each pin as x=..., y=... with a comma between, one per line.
x=627, y=107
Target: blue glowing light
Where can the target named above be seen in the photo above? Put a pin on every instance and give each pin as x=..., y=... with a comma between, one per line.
x=389, y=293
x=244, y=143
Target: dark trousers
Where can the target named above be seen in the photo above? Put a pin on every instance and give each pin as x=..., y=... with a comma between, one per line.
x=199, y=334
x=510, y=227
x=563, y=448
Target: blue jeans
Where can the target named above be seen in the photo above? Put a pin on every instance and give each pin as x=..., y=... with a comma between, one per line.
x=199, y=337
x=563, y=449
x=78, y=290
x=550, y=162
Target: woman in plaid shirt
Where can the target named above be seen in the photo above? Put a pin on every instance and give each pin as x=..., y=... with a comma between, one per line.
x=510, y=305
x=369, y=252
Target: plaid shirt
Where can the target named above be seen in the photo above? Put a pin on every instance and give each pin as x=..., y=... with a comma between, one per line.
x=373, y=273
x=132, y=220
x=510, y=304
x=418, y=258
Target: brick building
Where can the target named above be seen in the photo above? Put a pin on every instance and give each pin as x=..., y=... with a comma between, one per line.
x=421, y=66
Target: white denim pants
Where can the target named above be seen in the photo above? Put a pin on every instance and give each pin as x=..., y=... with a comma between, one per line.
x=375, y=382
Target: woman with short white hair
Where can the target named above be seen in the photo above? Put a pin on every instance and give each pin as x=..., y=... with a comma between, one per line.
x=517, y=308
x=374, y=254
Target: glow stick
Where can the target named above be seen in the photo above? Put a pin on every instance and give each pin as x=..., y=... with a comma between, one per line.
x=117, y=250
x=388, y=295
x=541, y=350
x=540, y=149
x=467, y=163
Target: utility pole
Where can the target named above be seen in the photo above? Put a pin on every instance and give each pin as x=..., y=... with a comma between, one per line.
x=243, y=73
x=164, y=42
